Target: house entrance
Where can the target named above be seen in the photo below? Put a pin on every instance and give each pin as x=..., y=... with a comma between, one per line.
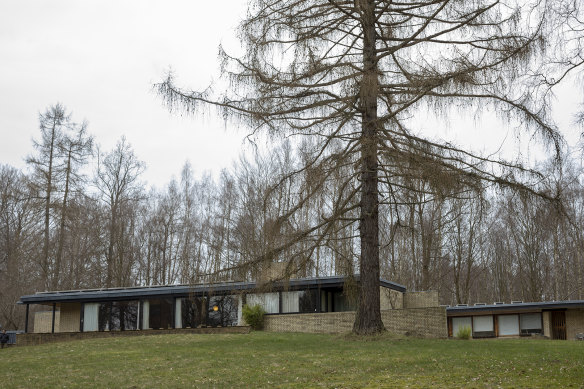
x=559, y=325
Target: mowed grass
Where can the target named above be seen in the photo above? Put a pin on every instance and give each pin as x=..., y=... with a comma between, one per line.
x=293, y=360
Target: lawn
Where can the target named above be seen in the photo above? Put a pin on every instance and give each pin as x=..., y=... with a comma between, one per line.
x=293, y=360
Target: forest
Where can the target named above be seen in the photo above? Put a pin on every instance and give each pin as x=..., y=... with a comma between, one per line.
x=78, y=217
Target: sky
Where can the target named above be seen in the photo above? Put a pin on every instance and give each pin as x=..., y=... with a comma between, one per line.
x=100, y=59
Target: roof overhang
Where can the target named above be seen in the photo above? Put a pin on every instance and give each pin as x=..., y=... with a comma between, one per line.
x=514, y=308
x=165, y=291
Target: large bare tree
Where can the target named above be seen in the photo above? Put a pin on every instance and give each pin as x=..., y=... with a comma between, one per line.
x=358, y=72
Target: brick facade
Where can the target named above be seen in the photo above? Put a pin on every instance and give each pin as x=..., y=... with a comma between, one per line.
x=391, y=299
x=574, y=323
x=69, y=317
x=421, y=299
x=43, y=321
x=427, y=322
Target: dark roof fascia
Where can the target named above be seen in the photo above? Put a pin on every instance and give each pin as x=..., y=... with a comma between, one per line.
x=503, y=308
x=134, y=293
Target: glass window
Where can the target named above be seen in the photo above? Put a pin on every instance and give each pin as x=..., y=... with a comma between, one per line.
x=483, y=323
x=90, y=317
x=460, y=322
x=530, y=323
x=104, y=316
x=270, y=302
x=290, y=302
x=222, y=311
x=342, y=303
x=508, y=324
x=308, y=300
x=193, y=312
x=160, y=315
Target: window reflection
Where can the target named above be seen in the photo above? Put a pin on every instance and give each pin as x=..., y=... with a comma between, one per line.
x=308, y=300
x=222, y=311
x=118, y=316
x=193, y=312
x=160, y=316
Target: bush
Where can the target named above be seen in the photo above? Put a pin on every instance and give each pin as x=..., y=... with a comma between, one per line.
x=464, y=333
x=254, y=316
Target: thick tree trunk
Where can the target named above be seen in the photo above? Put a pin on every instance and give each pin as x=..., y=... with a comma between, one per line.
x=368, y=318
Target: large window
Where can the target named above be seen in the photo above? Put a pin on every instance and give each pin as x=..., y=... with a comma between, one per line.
x=508, y=325
x=530, y=323
x=112, y=316
x=124, y=316
x=308, y=300
x=290, y=302
x=270, y=302
x=90, y=317
x=160, y=313
x=460, y=322
x=193, y=312
x=483, y=323
x=342, y=303
x=104, y=316
x=223, y=311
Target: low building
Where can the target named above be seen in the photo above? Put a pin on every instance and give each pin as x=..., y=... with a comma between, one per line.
x=191, y=306
x=550, y=319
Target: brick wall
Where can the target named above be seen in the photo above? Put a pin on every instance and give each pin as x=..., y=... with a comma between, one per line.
x=69, y=317
x=426, y=322
x=391, y=299
x=574, y=323
x=421, y=299
x=35, y=339
x=43, y=321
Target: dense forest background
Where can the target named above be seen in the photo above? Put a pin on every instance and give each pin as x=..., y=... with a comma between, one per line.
x=79, y=217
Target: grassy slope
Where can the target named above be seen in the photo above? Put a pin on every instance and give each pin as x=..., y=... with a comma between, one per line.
x=293, y=360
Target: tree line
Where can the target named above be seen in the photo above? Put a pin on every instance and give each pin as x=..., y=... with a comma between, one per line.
x=66, y=226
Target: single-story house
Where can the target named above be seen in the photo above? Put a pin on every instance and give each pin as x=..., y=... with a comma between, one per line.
x=550, y=319
x=188, y=306
x=294, y=305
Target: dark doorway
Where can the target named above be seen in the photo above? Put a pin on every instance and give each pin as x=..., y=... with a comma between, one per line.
x=559, y=325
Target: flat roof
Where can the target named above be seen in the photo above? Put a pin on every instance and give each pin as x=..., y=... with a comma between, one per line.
x=137, y=292
x=513, y=307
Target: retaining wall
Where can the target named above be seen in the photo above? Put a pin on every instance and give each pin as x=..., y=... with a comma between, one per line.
x=426, y=322
x=35, y=339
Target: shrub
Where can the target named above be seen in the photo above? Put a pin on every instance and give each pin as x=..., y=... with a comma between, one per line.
x=464, y=333
x=254, y=316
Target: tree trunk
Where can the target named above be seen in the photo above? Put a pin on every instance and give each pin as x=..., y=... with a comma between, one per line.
x=61, y=244
x=46, y=266
x=368, y=317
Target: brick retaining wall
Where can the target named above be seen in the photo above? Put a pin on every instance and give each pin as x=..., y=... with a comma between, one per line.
x=426, y=322
x=34, y=339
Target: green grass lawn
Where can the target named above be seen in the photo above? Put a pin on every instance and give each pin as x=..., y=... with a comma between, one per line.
x=293, y=360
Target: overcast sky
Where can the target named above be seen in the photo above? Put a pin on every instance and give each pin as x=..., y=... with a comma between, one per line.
x=100, y=59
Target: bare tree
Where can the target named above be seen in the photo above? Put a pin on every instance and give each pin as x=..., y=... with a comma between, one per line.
x=117, y=180
x=357, y=71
